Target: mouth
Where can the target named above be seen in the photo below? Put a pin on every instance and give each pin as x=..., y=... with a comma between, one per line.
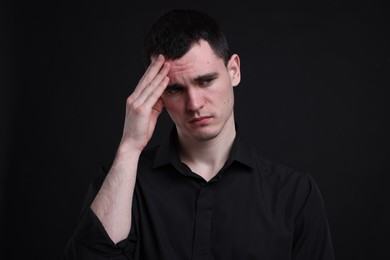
x=199, y=121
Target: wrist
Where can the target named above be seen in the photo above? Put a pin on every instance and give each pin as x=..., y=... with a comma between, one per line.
x=128, y=149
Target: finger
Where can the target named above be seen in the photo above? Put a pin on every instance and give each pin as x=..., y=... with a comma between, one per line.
x=156, y=111
x=154, y=96
x=153, y=85
x=158, y=106
x=150, y=73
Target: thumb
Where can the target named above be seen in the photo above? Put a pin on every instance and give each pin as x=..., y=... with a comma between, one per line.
x=158, y=107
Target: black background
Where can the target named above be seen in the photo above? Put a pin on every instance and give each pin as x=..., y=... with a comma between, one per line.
x=313, y=95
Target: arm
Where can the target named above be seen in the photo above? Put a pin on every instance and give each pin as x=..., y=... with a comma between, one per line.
x=112, y=204
x=105, y=222
x=312, y=238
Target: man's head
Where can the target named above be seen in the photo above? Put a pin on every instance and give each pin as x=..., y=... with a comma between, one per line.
x=175, y=32
x=199, y=96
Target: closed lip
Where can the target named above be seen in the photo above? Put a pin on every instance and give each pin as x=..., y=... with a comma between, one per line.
x=199, y=119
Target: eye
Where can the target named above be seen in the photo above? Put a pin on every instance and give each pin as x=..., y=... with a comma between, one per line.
x=174, y=89
x=206, y=82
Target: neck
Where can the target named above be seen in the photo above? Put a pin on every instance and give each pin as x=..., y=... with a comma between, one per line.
x=206, y=158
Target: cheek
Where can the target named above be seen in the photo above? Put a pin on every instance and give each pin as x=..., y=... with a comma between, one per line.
x=171, y=105
x=166, y=99
x=229, y=96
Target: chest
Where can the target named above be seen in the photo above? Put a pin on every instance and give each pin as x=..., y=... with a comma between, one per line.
x=225, y=218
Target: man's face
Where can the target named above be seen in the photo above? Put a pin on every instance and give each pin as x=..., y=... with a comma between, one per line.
x=199, y=97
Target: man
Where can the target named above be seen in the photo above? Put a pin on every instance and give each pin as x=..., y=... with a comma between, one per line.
x=205, y=193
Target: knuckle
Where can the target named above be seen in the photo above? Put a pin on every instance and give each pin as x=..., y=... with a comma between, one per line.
x=134, y=106
x=139, y=110
x=129, y=101
x=149, y=85
x=145, y=79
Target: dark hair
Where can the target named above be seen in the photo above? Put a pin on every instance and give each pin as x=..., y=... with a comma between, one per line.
x=177, y=30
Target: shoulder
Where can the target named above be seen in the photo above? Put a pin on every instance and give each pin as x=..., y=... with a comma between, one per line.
x=283, y=177
x=272, y=167
x=270, y=170
x=287, y=183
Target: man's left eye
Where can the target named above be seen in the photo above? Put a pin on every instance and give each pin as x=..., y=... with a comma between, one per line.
x=206, y=82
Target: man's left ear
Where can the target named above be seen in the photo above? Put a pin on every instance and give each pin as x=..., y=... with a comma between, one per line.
x=234, y=69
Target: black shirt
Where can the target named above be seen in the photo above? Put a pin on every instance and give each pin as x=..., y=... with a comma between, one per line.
x=253, y=208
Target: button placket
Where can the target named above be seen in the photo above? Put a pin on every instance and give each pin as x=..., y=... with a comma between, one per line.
x=203, y=218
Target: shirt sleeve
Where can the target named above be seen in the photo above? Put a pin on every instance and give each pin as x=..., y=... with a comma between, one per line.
x=90, y=240
x=312, y=239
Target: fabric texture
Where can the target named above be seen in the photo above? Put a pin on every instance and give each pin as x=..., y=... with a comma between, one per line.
x=254, y=208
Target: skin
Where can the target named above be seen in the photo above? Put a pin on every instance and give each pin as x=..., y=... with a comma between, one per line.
x=200, y=100
x=199, y=97
x=200, y=106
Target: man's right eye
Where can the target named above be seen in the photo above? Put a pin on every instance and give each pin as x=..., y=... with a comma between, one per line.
x=173, y=89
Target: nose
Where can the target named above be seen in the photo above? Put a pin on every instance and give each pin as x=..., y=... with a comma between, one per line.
x=195, y=100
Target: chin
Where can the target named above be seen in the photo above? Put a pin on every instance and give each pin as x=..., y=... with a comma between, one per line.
x=204, y=138
x=204, y=135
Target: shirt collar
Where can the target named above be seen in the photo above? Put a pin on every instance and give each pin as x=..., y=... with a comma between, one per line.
x=167, y=152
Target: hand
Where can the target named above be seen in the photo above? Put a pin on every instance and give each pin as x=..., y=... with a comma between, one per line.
x=144, y=105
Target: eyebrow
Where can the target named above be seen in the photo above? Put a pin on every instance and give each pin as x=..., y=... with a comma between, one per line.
x=198, y=79
x=206, y=77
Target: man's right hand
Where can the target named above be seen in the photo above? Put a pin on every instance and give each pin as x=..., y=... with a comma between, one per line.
x=112, y=204
x=144, y=105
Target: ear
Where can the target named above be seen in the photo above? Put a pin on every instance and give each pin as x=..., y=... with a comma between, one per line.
x=234, y=69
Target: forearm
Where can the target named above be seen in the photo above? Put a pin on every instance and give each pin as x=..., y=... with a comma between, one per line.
x=112, y=204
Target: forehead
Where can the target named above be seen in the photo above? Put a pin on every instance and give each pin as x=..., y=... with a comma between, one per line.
x=199, y=60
